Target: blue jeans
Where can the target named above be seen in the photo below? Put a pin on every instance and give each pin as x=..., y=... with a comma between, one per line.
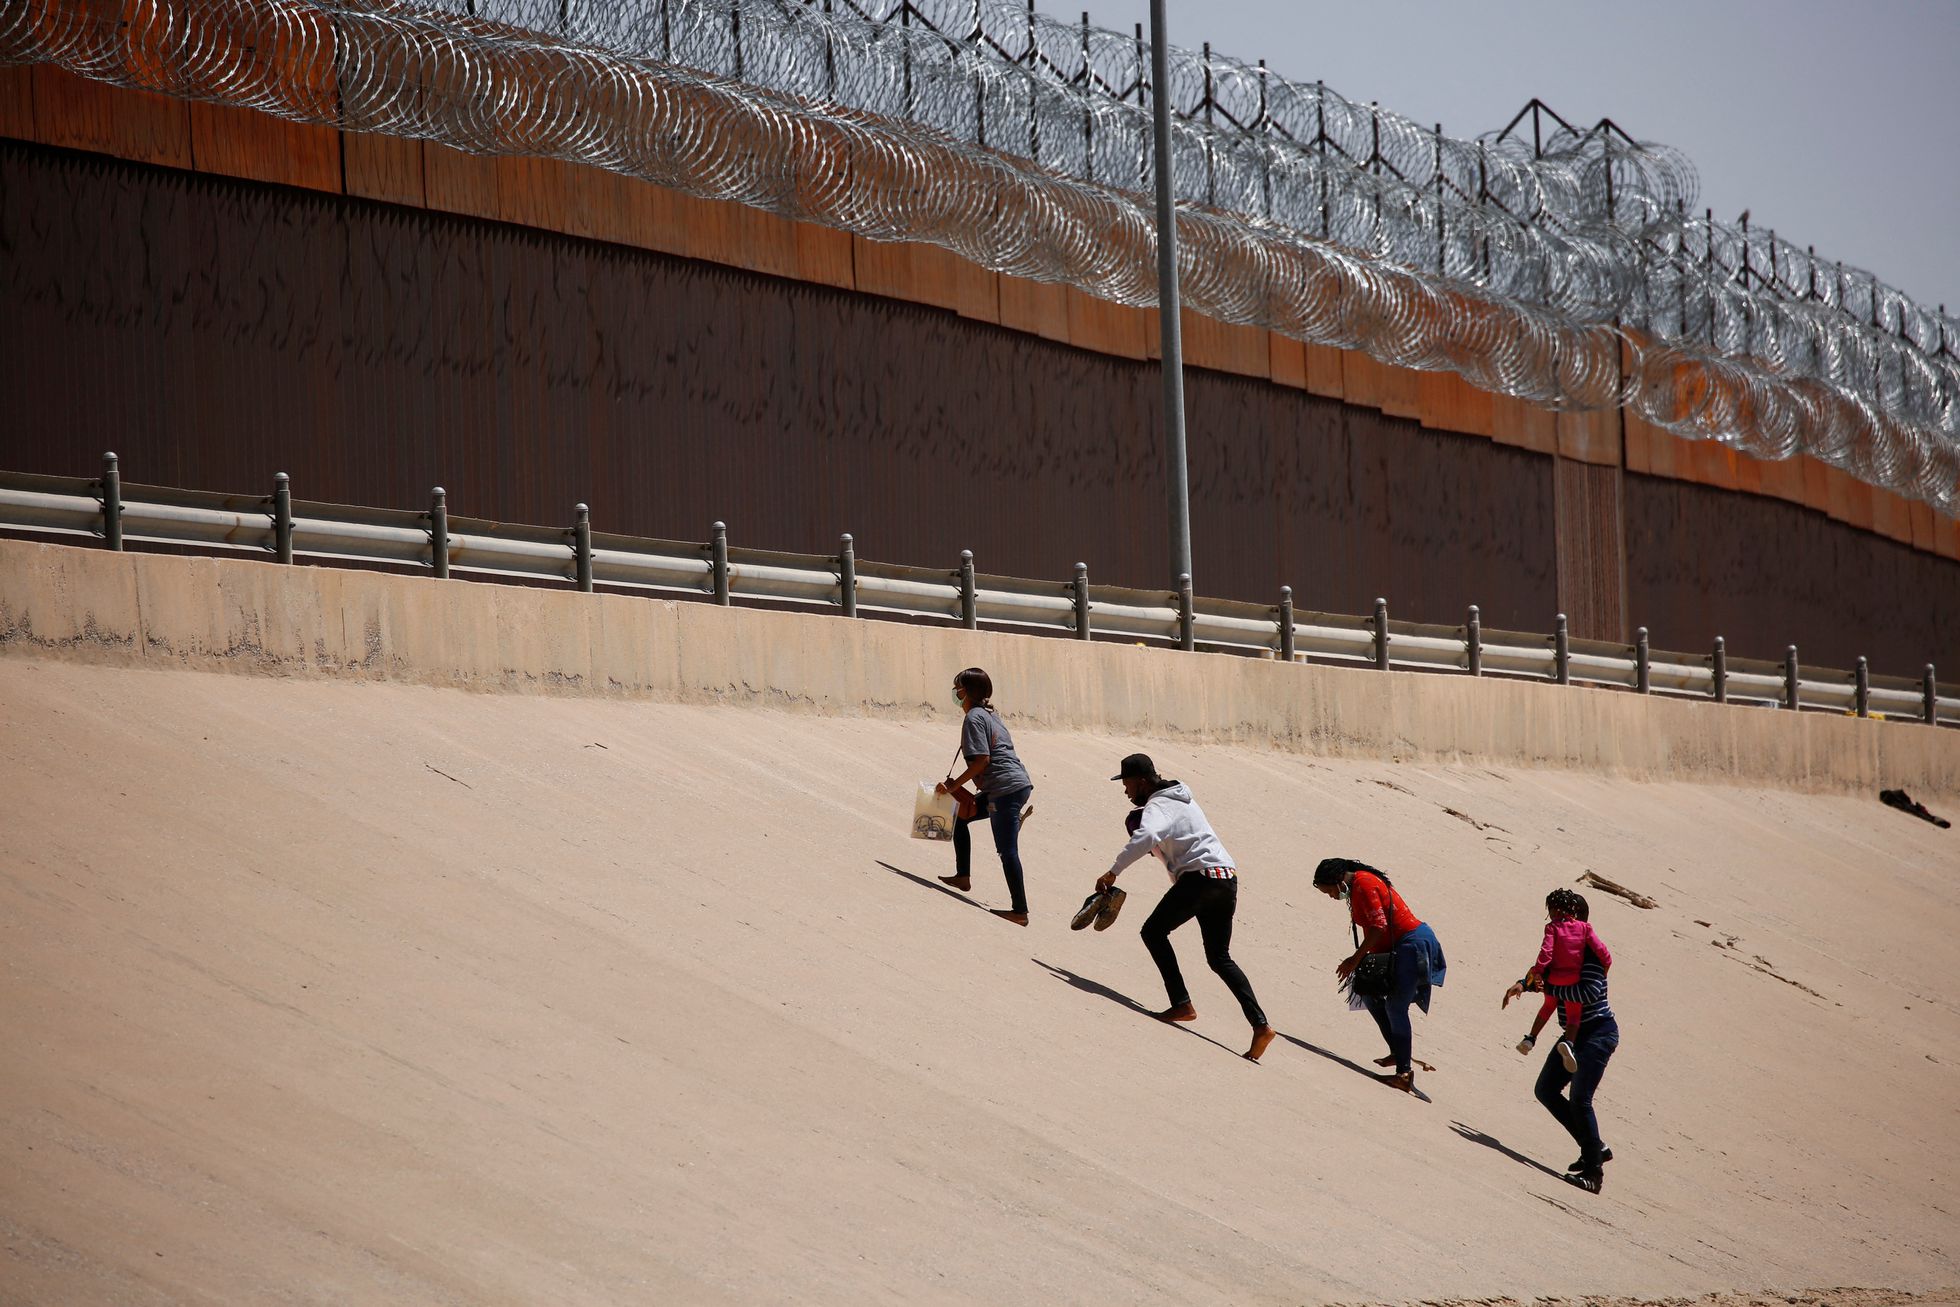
x=1594, y=1049
x=1003, y=812
x=1418, y=965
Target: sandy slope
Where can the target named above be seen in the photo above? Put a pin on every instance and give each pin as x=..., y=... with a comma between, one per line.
x=367, y=993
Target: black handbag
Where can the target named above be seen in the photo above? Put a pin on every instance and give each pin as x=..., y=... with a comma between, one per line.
x=1375, y=977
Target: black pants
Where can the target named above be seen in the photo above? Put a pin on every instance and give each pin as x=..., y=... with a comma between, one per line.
x=1212, y=902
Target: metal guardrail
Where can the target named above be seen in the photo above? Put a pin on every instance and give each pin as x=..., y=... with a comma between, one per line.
x=283, y=528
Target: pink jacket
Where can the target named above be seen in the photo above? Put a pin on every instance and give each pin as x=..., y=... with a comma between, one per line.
x=1564, y=950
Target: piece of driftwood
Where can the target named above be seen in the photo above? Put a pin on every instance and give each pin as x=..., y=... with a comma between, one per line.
x=1634, y=897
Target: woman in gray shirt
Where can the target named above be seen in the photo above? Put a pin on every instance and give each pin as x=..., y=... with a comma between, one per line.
x=1003, y=785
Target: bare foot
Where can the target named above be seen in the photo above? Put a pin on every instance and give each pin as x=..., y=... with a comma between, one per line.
x=1008, y=914
x=960, y=883
x=1390, y=1061
x=1404, y=1081
x=1182, y=1012
x=1261, y=1038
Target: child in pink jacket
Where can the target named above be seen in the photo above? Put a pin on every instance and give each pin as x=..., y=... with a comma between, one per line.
x=1559, y=959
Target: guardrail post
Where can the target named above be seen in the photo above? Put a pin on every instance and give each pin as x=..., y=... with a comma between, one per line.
x=969, y=593
x=1863, y=701
x=582, y=546
x=439, y=532
x=282, y=516
x=1790, y=678
x=112, y=502
x=847, y=574
x=1473, y=641
x=1718, y=667
x=1643, y=669
x=1562, y=653
x=1287, y=650
x=1930, y=692
x=1186, y=626
x=718, y=556
x=1381, y=635
x=1082, y=629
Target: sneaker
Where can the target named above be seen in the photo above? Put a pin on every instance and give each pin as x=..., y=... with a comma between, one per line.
x=1570, y=1058
x=1091, y=908
x=1111, y=905
x=1605, y=1156
x=1592, y=1181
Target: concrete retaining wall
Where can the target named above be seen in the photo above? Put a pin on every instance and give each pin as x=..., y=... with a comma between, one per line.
x=254, y=617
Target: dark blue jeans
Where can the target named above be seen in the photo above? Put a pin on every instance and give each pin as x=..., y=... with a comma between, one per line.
x=1003, y=812
x=1418, y=966
x=1594, y=1049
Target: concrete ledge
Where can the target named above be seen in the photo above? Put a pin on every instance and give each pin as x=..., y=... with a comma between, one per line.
x=252, y=617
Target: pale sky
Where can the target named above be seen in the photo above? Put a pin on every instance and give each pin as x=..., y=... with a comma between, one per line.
x=1835, y=123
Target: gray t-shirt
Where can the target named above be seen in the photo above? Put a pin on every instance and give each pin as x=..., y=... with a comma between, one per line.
x=985, y=733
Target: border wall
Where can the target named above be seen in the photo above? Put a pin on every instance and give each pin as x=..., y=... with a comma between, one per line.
x=387, y=315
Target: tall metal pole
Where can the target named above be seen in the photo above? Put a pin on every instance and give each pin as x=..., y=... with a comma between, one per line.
x=1177, y=475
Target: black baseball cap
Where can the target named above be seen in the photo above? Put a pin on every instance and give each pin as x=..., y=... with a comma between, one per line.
x=1137, y=765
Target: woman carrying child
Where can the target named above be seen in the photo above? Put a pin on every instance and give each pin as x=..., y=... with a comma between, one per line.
x=1572, y=1073
x=1559, y=959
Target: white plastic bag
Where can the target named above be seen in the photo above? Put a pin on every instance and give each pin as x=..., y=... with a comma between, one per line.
x=932, y=814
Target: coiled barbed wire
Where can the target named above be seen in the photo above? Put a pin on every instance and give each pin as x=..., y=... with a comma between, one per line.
x=1568, y=274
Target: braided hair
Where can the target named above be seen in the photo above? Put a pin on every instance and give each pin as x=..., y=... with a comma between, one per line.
x=1567, y=902
x=1332, y=870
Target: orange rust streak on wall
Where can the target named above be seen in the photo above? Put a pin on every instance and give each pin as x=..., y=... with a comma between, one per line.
x=1514, y=422
x=1037, y=307
x=1449, y=403
x=926, y=274
x=1287, y=360
x=17, y=103
x=79, y=114
x=385, y=168
x=1590, y=437
x=1108, y=328
x=1325, y=372
x=245, y=143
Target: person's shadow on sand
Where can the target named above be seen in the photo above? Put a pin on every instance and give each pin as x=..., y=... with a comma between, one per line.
x=1491, y=1142
x=947, y=890
x=1355, y=1067
x=1101, y=990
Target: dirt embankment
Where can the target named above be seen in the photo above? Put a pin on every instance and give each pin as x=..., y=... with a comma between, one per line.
x=320, y=991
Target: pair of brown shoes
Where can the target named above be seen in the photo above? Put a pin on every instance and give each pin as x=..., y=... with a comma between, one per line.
x=1099, y=909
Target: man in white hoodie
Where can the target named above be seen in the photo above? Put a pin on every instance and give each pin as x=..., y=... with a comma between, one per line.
x=1204, y=884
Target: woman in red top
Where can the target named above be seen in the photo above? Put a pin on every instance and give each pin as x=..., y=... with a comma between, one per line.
x=1387, y=926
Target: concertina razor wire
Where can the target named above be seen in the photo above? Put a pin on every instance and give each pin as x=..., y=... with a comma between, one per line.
x=1566, y=271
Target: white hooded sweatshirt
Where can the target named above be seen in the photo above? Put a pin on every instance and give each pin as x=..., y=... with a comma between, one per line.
x=1175, y=829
